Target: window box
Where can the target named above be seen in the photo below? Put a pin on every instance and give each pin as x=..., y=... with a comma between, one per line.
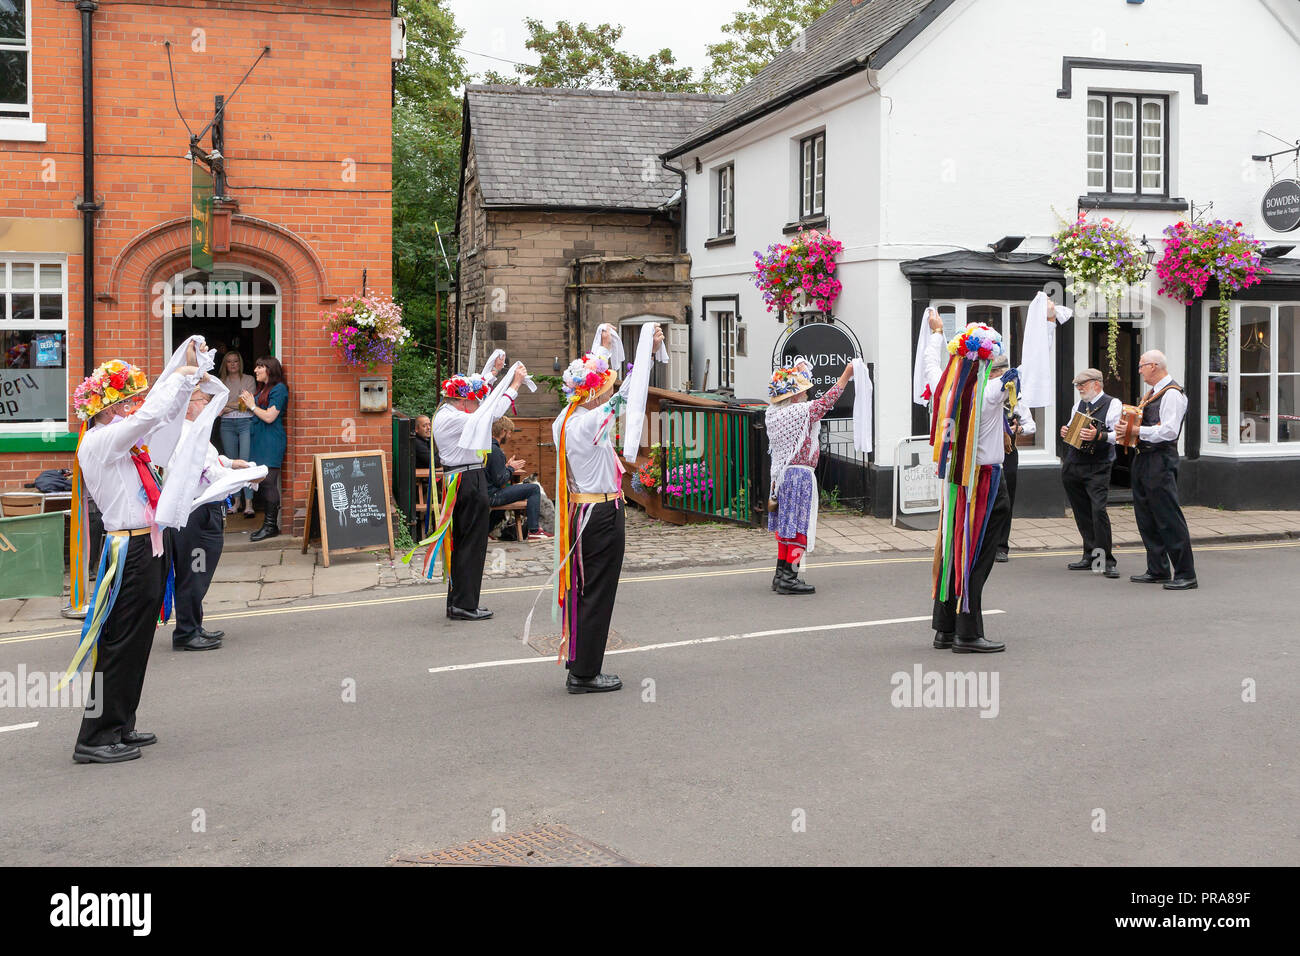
x=1131, y=201
x=727, y=240
x=811, y=222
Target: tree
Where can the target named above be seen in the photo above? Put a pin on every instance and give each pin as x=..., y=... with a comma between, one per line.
x=426, y=175
x=588, y=57
x=757, y=36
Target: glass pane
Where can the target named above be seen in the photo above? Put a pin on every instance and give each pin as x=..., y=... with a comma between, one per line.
x=22, y=307
x=988, y=314
x=33, y=376
x=1288, y=411
x=1256, y=351
x=1123, y=143
x=51, y=273
x=13, y=19
x=1096, y=108
x=13, y=77
x=23, y=276
x=51, y=307
x=1288, y=337
x=1216, y=409
x=1255, y=409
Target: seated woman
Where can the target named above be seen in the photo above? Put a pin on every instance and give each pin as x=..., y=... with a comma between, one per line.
x=269, y=437
x=500, y=470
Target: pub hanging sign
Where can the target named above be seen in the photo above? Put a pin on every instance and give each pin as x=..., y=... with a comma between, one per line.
x=1281, y=206
x=201, y=203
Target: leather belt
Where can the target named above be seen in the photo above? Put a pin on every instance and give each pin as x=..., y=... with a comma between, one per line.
x=594, y=497
x=132, y=533
x=456, y=469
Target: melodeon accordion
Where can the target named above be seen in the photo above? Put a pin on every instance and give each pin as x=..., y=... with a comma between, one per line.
x=1078, y=423
x=1132, y=417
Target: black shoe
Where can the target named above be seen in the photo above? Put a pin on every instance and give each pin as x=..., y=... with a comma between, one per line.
x=270, y=527
x=211, y=635
x=942, y=641
x=1084, y=564
x=109, y=753
x=139, y=738
x=599, y=684
x=789, y=582
x=976, y=645
x=1001, y=557
x=196, y=643
x=1112, y=571
x=1146, y=577
x=1181, y=584
x=780, y=573
x=460, y=614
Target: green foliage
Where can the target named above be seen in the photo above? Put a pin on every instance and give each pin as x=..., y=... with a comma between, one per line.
x=415, y=383
x=402, y=540
x=830, y=500
x=587, y=57
x=552, y=383
x=757, y=35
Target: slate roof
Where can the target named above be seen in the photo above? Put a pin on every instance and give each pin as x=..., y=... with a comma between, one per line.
x=842, y=41
x=561, y=148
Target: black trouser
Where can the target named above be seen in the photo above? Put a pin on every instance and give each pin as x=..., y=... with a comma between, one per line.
x=1087, y=486
x=1159, y=517
x=602, y=563
x=196, y=549
x=124, y=645
x=970, y=623
x=469, y=536
x=1010, y=467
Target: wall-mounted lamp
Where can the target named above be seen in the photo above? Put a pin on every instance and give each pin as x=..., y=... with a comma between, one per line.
x=1006, y=244
x=1148, y=256
x=556, y=366
x=1275, y=252
x=699, y=167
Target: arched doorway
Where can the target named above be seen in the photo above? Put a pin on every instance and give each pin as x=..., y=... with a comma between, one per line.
x=234, y=307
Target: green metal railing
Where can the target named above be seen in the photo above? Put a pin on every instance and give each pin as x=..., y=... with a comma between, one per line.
x=716, y=456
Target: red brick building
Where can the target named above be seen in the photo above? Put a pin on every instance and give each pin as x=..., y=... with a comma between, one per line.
x=307, y=207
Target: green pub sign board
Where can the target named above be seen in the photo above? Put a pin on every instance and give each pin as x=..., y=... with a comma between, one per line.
x=201, y=195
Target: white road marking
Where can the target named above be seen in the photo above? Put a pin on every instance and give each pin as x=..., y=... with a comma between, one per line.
x=695, y=641
x=34, y=723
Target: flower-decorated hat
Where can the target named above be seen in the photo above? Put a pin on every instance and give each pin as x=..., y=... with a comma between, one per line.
x=788, y=381
x=588, y=376
x=466, y=386
x=111, y=383
x=977, y=342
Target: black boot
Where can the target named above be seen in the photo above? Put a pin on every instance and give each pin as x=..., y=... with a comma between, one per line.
x=781, y=566
x=790, y=582
x=269, y=527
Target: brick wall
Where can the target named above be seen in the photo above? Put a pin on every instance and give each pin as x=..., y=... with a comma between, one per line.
x=308, y=148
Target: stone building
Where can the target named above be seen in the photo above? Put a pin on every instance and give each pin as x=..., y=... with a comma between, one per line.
x=567, y=219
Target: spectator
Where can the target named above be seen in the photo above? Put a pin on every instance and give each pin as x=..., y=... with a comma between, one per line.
x=423, y=433
x=236, y=419
x=500, y=470
x=269, y=437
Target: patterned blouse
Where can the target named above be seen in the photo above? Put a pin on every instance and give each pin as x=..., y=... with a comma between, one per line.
x=811, y=450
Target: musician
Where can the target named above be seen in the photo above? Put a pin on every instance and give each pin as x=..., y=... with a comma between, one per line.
x=1155, y=478
x=1019, y=421
x=1085, y=472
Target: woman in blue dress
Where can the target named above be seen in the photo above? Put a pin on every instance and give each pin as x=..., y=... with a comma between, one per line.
x=269, y=437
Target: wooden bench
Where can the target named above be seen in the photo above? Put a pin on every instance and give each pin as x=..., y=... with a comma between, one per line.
x=422, y=504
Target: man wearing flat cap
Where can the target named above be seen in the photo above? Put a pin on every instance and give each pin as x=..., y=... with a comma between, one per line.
x=1085, y=472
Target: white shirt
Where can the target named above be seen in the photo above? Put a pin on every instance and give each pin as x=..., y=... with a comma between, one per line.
x=1173, y=406
x=449, y=424
x=592, y=465
x=991, y=449
x=1027, y=424
x=105, y=453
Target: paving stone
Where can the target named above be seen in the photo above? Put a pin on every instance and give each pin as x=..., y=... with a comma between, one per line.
x=248, y=559
x=9, y=607
x=234, y=591
x=295, y=557
x=226, y=572
x=40, y=609
x=287, y=572
x=286, y=589
x=344, y=578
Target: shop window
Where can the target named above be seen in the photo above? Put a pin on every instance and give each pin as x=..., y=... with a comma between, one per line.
x=1009, y=319
x=1252, y=387
x=16, y=73
x=1127, y=149
x=33, y=344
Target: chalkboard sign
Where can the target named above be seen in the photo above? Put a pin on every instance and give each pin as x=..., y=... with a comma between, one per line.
x=347, y=503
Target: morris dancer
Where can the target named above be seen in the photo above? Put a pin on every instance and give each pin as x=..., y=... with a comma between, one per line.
x=589, y=522
x=461, y=459
x=113, y=463
x=792, y=424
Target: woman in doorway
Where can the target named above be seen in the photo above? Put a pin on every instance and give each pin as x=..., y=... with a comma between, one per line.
x=236, y=419
x=269, y=437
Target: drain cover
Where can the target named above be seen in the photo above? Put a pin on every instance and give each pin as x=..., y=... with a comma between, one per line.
x=548, y=645
x=550, y=846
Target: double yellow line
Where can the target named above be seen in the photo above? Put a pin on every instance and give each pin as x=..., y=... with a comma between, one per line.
x=639, y=579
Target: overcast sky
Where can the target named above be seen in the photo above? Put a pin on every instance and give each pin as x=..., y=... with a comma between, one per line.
x=686, y=27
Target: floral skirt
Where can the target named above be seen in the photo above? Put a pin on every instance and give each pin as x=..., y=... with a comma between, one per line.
x=794, y=504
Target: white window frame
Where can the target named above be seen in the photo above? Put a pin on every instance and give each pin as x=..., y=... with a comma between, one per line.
x=229, y=301
x=727, y=200
x=21, y=128
x=1234, y=447
x=1138, y=101
x=957, y=310
x=7, y=261
x=1112, y=145
x=1096, y=157
x=1143, y=141
x=812, y=175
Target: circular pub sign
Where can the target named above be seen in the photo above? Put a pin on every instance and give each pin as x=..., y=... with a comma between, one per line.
x=828, y=348
x=1281, y=207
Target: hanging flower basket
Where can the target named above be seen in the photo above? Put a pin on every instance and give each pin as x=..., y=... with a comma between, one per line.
x=1195, y=253
x=1101, y=260
x=367, y=330
x=649, y=477
x=799, y=275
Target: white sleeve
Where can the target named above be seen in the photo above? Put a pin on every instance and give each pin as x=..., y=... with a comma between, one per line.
x=1173, y=406
x=164, y=403
x=934, y=360
x=1027, y=424
x=1113, y=414
x=448, y=425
